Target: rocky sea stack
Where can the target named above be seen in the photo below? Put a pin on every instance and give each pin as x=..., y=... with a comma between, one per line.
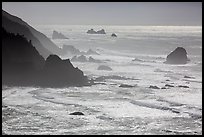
x=178, y=56
x=92, y=31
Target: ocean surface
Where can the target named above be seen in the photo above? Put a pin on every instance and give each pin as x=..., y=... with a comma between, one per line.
x=107, y=107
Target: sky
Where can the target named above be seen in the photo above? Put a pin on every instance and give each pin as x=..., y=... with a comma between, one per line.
x=107, y=13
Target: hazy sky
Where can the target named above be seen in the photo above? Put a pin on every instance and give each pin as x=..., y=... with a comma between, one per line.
x=107, y=13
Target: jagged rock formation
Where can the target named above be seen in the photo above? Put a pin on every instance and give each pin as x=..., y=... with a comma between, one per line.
x=42, y=43
x=178, y=56
x=22, y=65
x=57, y=35
x=58, y=72
x=92, y=31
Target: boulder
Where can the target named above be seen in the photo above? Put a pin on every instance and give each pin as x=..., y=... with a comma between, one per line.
x=113, y=35
x=104, y=67
x=57, y=35
x=178, y=56
x=76, y=113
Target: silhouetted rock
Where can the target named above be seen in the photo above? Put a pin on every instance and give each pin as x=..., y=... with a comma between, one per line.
x=17, y=50
x=62, y=71
x=104, y=67
x=126, y=86
x=154, y=87
x=168, y=85
x=181, y=86
x=76, y=113
x=22, y=65
x=57, y=35
x=113, y=35
x=178, y=56
x=92, y=31
x=42, y=43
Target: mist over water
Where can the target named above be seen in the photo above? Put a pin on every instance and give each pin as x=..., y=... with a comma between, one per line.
x=109, y=108
x=135, y=39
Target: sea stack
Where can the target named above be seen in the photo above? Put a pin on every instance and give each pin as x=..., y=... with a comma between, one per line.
x=92, y=31
x=178, y=56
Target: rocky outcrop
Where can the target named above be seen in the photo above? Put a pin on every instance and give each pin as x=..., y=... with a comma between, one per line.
x=22, y=65
x=92, y=31
x=42, y=43
x=178, y=56
x=104, y=67
x=57, y=35
x=58, y=72
x=113, y=35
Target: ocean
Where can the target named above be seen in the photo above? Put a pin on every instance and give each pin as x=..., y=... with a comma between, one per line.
x=107, y=107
